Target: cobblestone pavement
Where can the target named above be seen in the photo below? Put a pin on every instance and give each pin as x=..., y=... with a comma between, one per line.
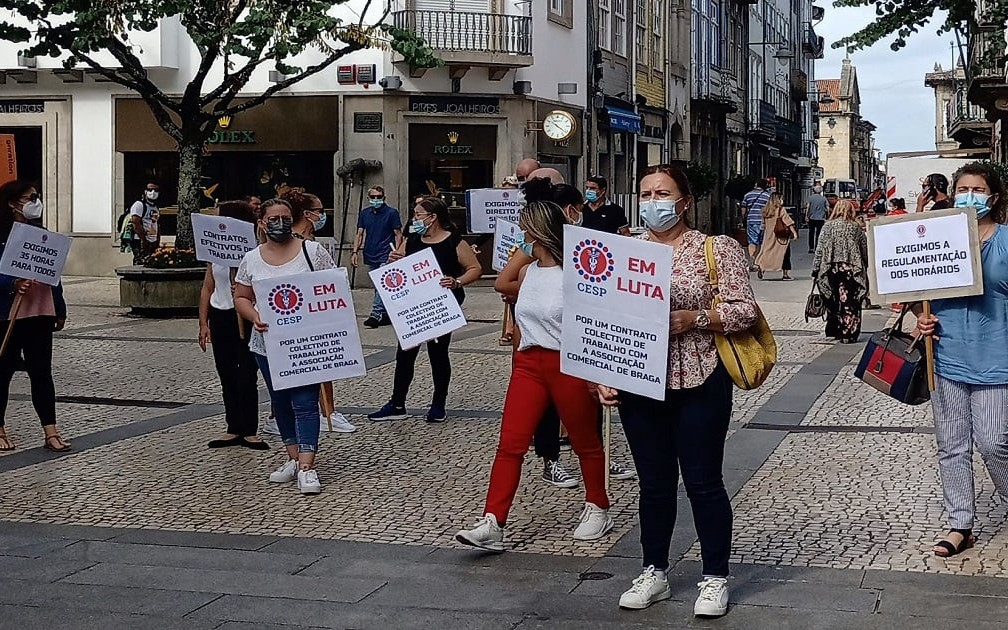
x=826, y=475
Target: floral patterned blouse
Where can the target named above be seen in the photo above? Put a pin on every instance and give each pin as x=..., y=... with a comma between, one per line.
x=693, y=356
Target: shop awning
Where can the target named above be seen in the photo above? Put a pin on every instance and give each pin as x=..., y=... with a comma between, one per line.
x=789, y=160
x=624, y=120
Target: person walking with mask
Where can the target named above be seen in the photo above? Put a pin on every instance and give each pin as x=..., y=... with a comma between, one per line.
x=43, y=312
x=144, y=215
x=815, y=215
x=601, y=214
x=296, y=408
x=970, y=401
x=686, y=431
x=379, y=230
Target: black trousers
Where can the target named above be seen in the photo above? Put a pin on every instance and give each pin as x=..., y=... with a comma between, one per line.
x=405, y=368
x=547, y=435
x=31, y=338
x=686, y=432
x=815, y=226
x=236, y=368
x=786, y=265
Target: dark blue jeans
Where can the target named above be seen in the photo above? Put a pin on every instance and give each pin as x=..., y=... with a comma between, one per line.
x=684, y=432
x=296, y=410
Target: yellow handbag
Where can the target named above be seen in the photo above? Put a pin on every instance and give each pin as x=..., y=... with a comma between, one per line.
x=748, y=355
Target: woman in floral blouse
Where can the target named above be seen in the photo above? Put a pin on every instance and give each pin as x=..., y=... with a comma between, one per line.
x=687, y=430
x=840, y=269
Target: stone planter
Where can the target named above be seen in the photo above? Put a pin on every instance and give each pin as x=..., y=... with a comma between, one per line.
x=160, y=292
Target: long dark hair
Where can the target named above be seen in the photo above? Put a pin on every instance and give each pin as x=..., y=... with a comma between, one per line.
x=242, y=210
x=997, y=187
x=437, y=207
x=10, y=194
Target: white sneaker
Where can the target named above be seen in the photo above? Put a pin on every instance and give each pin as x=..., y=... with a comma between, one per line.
x=487, y=535
x=270, y=427
x=308, y=482
x=713, y=598
x=652, y=586
x=286, y=473
x=340, y=424
x=595, y=523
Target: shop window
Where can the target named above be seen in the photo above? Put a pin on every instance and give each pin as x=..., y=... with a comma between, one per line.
x=28, y=153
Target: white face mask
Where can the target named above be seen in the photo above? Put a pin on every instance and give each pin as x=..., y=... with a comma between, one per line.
x=32, y=210
x=152, y=195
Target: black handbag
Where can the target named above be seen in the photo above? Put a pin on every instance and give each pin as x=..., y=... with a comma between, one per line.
x=815, y=305
x=894, y=363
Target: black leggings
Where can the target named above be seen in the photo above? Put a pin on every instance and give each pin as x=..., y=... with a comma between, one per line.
x=547, y=435
x=437, y=351
x=31, y=338
x=236, y=368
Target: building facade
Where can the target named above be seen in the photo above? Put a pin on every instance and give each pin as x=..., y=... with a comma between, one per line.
x=845, y=140
x=961, y=127
x=987, y=79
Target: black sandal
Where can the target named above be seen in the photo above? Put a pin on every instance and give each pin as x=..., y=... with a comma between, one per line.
x=968, y=540
x=255, y=446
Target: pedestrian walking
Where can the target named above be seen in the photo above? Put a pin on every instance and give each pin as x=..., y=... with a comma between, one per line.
x=840, y=271
x=296, y=409
x=379, y=230
x=312, y=219
x=144, y=216
x=970, y=401
x=536, y=382
x=686, y=431
x=778, y=232
x=897, y=206
x=235, y=364
x=43, y=312
x=600, y=213
x=815, y=215
x=753, y=203
x=432, y=229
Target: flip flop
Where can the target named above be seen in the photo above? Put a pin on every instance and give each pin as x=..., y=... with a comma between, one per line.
x=56, y=448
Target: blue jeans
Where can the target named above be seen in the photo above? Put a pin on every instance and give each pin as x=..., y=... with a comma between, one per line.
x=377, y=307
x=296, y=410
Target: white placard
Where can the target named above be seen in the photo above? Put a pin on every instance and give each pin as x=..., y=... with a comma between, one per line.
x=616, y=311
x=924, y=256
x=505, y=238
x=487, y=205
x=312, y=336
x=32, y=253
x=419, y=307
x=222, y=240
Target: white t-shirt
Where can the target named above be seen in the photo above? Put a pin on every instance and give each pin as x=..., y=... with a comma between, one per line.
x=222, y=298
x=539, y=309
x=253, y=268
x=149, y=215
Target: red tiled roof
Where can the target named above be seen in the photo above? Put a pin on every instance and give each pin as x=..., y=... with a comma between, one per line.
x=831, y=87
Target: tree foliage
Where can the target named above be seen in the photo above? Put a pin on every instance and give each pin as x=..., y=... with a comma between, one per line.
x=904, y=18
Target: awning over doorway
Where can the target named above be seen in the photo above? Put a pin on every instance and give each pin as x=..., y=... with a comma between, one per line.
x=624, y=120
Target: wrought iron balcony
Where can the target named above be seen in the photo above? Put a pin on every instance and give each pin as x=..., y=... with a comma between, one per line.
x=762, y=119
x=813, y=45
x=472, y=39
x=967, y=123
x=789, y=135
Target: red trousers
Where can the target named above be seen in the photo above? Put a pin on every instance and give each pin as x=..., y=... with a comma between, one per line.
x=535, y=381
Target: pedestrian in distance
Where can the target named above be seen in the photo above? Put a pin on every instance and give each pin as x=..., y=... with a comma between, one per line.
x=970, y=401
x=934, y=193
x=897, y=206
x=686, y=431
x=600, y=213
x=43, y=312
x=144, y=217
x=815, y=215
x=432, y=229
x=296, y=408
x=536, y=382
x=753, y=203
x=778, y=232
x=840, y=271
x=379, y=229
x=313, y=218
x=235, y=364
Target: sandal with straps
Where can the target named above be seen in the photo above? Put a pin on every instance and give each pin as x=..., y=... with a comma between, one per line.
x=56, y=443
x=945, y=548
x=6, y=444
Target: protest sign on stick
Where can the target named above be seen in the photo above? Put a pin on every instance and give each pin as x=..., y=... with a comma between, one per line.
x=488, y=205
x=222, y=240
x=419, y=307
x=505, y=238
x=616, y=311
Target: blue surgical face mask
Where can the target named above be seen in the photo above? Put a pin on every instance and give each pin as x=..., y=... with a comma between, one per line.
x=659, y=215
x=524, y=245
x=419, y=227
x=980, y=201
x=591, y=196
x=377, y=203
x=318, y=225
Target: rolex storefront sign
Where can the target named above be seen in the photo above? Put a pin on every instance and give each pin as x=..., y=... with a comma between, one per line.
x=453, y=147
x=224, y=134
x=453, y=142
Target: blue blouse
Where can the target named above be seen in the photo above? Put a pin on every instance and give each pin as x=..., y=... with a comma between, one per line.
x=973, y=331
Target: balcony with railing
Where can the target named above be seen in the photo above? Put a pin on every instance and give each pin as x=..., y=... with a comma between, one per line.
x=967, y=123
x=813, y=45
x=762, y=119
x=988, y=83
x=788, y=136
x=465, y=39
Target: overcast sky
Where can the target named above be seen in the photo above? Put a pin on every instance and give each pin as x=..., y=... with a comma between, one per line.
x=893, y=95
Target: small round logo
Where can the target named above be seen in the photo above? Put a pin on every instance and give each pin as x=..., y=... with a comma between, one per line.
x=223, y=227
x=393, y=280
x=45, y=237
x=285, y=299
x=593, y=261
x=921, y=230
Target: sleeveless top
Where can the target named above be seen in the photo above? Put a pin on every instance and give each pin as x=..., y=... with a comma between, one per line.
x=221, y=299
x=446, y=254
x=539, y=309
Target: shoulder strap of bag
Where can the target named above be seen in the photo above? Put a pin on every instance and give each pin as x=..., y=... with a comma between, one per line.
x=304, y=250
x=712, y=273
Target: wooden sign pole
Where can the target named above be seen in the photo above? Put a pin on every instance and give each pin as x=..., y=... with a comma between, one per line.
x=15, y=307
x=929, y=350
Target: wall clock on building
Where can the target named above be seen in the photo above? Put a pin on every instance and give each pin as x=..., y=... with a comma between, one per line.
x=559, y=125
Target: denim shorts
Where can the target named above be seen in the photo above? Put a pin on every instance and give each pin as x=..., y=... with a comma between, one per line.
x=755, y=232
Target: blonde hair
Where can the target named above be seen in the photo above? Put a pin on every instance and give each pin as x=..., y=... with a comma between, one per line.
x=542, y=222
x=773, y=206
x=845, y=210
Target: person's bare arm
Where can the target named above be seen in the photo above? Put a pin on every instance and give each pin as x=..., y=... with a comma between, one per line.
x=204, y=309
x=508, y=280
x=358, y=240
x=138, y=227
x=398, y=238
x=244, y=299
x=473, y=270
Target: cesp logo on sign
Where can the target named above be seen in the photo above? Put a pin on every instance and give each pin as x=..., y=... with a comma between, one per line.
x=921, y=231
x=286, y=301
x=394, y=281
x=595, y=264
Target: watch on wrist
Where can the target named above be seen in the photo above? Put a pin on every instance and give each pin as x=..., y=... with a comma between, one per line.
x=702, y=319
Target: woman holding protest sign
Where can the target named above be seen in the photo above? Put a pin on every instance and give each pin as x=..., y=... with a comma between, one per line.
x=536, y=382
x=840, y=270
x=686, y=431
x=970, y=400
x=236, y=367
x=432, y=228
x=42, y=312
x=296, y=408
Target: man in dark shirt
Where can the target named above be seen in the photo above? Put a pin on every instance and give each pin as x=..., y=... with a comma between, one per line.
x=599, y=214
x=379, y=231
